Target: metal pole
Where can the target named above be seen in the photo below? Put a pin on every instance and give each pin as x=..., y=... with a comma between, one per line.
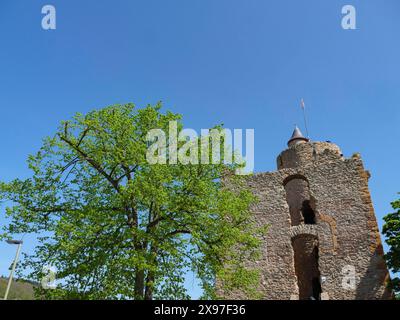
x=12, y=270
x=305, y=122
x=303, y=106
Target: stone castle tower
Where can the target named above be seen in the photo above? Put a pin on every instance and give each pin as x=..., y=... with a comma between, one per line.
x=323, y=241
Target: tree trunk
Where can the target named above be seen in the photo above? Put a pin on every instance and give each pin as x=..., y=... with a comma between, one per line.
x=148, y=295
x=139, y=285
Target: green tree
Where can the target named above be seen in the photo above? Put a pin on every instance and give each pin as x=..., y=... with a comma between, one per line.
x=391, y=231
x=115, y=226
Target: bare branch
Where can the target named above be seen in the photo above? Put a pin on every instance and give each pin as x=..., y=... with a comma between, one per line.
x=92, y=162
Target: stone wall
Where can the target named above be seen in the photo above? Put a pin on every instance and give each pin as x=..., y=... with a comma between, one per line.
x=345, y=235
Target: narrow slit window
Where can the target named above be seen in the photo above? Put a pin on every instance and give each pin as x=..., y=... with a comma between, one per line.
x=308, y=213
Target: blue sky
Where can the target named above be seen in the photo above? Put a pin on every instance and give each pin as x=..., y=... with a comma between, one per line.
x=246, y=64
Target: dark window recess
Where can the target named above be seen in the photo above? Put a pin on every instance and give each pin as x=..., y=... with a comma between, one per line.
x=308, y=213
x=305, y=249
x=316, y=289
x=316, y=283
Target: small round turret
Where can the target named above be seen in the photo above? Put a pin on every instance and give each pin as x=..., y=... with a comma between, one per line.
x=297, y=137
x=303, y=152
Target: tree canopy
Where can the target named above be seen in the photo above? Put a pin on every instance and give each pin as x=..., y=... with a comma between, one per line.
x=391, y=231
x=115, y=226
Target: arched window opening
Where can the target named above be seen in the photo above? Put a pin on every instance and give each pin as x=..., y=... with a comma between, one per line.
x=294, y=177
x=297, y=191
x=307, y=212
x=306, y=258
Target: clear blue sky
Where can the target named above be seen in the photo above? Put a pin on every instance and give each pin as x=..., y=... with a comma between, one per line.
x=243, y=63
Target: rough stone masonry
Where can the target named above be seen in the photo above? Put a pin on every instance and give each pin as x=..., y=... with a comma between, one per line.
x=323, y=240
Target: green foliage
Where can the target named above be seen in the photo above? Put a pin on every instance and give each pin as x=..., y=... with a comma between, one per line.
x=391, y=231
x=116, y=227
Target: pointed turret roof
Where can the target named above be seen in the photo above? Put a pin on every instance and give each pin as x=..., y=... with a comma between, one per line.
x=297, y=136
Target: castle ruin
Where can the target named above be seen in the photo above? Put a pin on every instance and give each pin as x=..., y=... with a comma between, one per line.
x=323, y=241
